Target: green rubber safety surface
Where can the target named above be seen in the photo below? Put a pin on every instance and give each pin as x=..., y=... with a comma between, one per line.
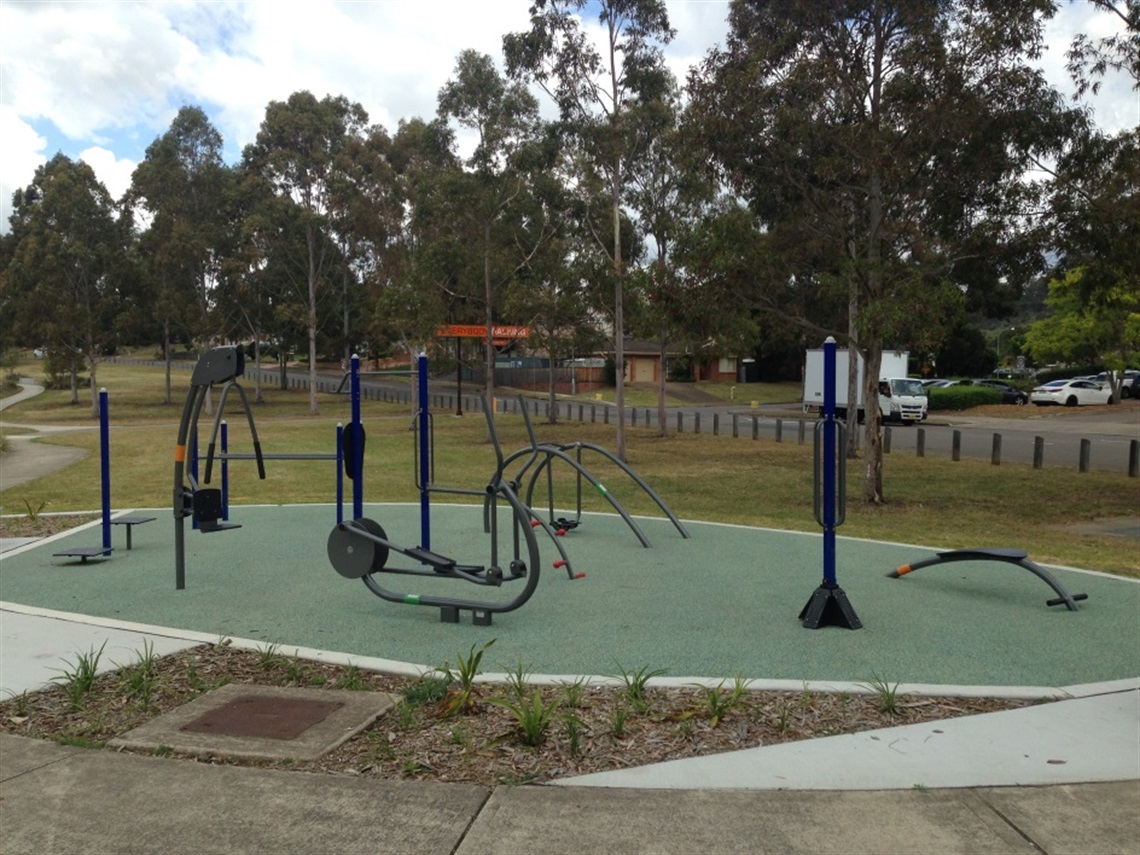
x=722, y=604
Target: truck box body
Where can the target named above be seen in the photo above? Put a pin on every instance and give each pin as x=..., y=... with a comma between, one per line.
x=906, y=401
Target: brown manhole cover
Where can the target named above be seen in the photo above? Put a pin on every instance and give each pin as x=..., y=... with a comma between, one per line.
x=263, y=717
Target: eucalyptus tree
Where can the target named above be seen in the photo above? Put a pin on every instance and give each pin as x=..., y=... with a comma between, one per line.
x=298, y=151
x=667, y=193
x=491, y=192
x=65, y=240
x=597, y=91
x=179, y=191
x=902, y=132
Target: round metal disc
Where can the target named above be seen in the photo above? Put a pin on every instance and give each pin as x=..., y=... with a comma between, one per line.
x=353, y=555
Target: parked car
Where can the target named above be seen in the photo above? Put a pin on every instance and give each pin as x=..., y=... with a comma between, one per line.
x=1071, y=393
x=1009, y=394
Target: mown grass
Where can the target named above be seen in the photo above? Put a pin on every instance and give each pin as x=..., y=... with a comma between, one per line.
x=933, y=502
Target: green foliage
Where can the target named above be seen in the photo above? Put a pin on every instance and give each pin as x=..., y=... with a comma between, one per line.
x=886, y=692
x=352, y=680
x=462, y=697
x=533, y=715
x=426, y=690
x=1088, y=322
x=141, y=679
x=78, y=678
x=636, y=685
x=962, y=397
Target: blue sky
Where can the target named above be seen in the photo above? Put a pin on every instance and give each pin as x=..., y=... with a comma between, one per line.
x=100, y=81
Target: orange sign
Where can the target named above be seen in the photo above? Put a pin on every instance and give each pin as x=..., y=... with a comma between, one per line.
x=479, y=331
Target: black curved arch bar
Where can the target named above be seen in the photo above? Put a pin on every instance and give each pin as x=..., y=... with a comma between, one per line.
x=1009, y=556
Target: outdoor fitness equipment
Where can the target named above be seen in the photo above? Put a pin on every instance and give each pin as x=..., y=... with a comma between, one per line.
x=85, y=552
x=541, y=457
x=828, y=604
x=360, y=549
x=206, y=505
x=1010, y=556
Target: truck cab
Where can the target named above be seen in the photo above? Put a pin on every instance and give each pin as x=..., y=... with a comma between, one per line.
x=902, y=399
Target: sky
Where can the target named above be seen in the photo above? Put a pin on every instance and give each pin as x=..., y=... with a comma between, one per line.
x=100, y=80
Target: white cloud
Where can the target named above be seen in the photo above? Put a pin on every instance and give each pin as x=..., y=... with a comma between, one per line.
x=113, y=171
x=21, y=153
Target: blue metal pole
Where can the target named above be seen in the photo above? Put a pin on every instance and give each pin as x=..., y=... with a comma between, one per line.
x=357, y=429
x=829, y=461
x=425, y=449
x=105, y=466
x=339, y=474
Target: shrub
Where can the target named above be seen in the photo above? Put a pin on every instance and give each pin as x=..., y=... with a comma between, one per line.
x=962, y=397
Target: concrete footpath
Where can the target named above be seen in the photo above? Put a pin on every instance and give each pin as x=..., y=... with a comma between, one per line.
x=58, y=799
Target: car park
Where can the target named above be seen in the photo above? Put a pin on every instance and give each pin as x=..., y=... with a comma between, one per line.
x=1071, y=393
x=1009, y=394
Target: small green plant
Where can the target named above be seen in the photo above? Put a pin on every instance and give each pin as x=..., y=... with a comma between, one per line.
x=163, y=751
x=618, y=720
x=268, y=657
x=533, y=715
x=78, y=678
x=34, y=511
x=783, y=717
x=21, y=701
x=886, y=693
x=574, y=727
x=922, y=788
x=406, y=713
x=717, y=703
x=573, y=694
x=516, y=680
x=462, y=696
x=294, y=669
x=141, y=679
x=80, y=742
x=426, y=690
x=193, y=680
x=636, y=685
x=352, y=680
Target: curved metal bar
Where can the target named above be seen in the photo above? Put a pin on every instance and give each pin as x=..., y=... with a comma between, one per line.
x=1009, y=556
x=545, y=447
x=257, y=455
x=469, y=573
x=549, y=452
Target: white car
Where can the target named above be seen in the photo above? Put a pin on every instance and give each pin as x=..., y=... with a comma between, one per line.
x=1070, y=393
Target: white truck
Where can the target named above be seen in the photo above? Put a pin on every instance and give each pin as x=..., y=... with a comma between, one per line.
x=901, y=399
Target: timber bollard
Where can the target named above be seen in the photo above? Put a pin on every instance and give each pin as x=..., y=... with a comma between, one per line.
x=1134, y=458
x=779, y=430
x=1086, y=453
x=920, y=443
x=1038, y=452
x=886, y=440
x=755, y=427
x=995, y=453
x=956, y=447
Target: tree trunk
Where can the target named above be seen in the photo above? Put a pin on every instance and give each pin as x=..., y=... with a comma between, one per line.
x=314, y=406
x=167, y=397
x=619, y=320
x=662, y=420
